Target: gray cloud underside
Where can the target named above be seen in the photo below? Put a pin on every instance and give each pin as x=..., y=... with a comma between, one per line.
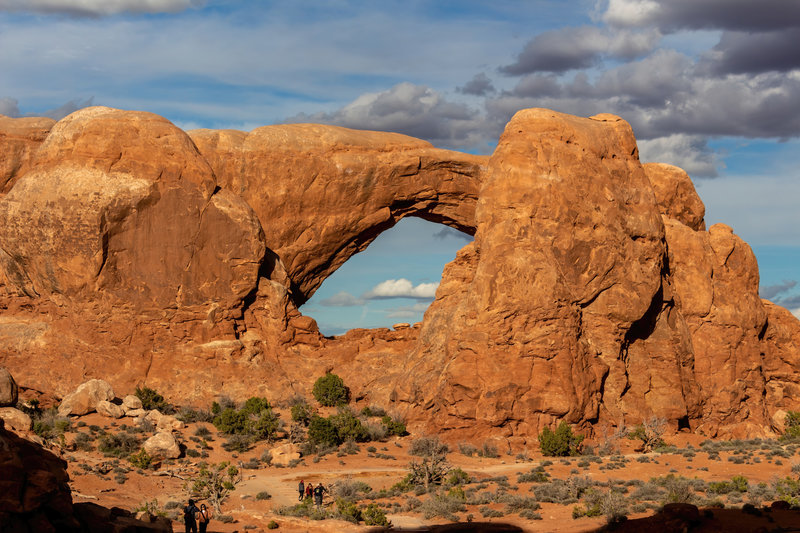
x=771, y=291
x=674, y=15
x=578, y=48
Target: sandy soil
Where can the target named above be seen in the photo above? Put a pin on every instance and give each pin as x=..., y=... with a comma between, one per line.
x=167, y=485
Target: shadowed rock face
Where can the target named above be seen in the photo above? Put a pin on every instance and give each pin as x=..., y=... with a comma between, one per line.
x=592, y=291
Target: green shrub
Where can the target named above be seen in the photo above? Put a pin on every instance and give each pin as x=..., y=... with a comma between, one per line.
x=119, y=445
x=272, y=525
x=348, y=426
x=330, y=391
x=561, y=443
x=321, y=431
x=394, y=426
x=263, y=495
x=374, y=516
x=152, y=400
x=346, y=509
x=457, y=477
x=83, y=442
x=792, y=424
x=237, y=443
x=231, y=421
x=301, y=413
x=141, y=459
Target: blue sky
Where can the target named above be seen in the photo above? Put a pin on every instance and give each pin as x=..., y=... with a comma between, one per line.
x=710, y=85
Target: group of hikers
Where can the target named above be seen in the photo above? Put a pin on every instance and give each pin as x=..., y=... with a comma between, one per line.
x=308, y=491
x=194, y=516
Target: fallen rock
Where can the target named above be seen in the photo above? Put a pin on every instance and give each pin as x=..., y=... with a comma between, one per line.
x=161, y=421
x=285, y=454
x=15, y=419
x=162, y=444
x=85, y=398
x=136, y=413
x=110, y=410
x=8, y=389
x=131, y=402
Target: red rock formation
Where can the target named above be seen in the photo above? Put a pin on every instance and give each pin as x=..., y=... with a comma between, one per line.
x=591, y=293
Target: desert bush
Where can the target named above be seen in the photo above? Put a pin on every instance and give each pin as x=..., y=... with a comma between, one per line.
x=561, y=443
x=330, y=391
x=83, y=442
x=48, y=425
x=374, y=516
x=432, y=466
x=301, y=413
x=349, y=489
x=255, y=419
x=191, y=415
x=118, y=445
x=515, y=503
x=347, y=510
x=373, y=411
x=442, y=505
x=141, y=459
x=537, y=475
x=272, y=525
x=488, y=512
x=238, y=443
x=488, y=450
x=736, y=484
x=792, y=425
x=678, y=488
x=457, y=477
x=348, y=426
x=151, y=399
x=263, y=495
x=465, y=448
x=394, y=426
x=649, y=433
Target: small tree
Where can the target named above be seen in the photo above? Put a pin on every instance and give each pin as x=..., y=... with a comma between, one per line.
x=151, y=399
x=792, y=425
x=561, y=443
x=650, y=433
x=214, y=482
x=432, y=467
x=330, y=391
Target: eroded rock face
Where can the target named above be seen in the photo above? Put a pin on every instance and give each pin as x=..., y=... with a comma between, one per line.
x=8, y=389
x=591, y=293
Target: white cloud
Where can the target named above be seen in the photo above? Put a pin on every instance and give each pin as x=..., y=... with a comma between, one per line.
x=97, y=7
x=690, y=152
x=401, y=288
x=796, y=312
x=342, y=299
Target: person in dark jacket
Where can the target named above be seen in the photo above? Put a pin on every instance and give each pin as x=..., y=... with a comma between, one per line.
x=190, y=517
x=301, y=488
x=319, y=490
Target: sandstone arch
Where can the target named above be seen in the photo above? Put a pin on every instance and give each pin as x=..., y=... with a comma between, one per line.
x=323, y=193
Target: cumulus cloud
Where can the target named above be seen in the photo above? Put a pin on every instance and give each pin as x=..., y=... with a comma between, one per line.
x=95, y=8
x=479, y=85
x=690, y=152
x=771, y=291
x=665, y=94
x=673, y=15
x=747, y=52
x=577, y=48
x=401, y=288
x=414, y=110
x=342, y=299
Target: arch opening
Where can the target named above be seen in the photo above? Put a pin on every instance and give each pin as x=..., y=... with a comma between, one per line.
x=392, y=281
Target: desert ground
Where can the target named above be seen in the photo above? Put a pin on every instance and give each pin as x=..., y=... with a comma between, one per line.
x=732, y=483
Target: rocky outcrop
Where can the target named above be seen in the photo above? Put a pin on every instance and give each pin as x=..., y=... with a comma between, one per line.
x=19, y=139
x=86, y=398
x=9, y=391
x=592, y=291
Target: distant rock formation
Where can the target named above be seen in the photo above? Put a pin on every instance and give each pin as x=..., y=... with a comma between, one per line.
x=591, y=293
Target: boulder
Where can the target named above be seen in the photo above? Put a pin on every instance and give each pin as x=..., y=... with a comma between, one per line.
x=284, y=454
x=131, y=402
x=136, y=413
x=161, y=421
x=8, y=389
x=110, y=410
x=162, y=444
x=85, y=398
x=15, y=419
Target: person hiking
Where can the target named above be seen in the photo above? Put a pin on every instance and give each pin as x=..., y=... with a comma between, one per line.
x=301, y=488
x=203, y=517
x=190, y=517
x=319, y=490
x=309, y=490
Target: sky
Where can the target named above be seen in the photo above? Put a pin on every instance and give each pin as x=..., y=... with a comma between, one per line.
x=712, y=86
